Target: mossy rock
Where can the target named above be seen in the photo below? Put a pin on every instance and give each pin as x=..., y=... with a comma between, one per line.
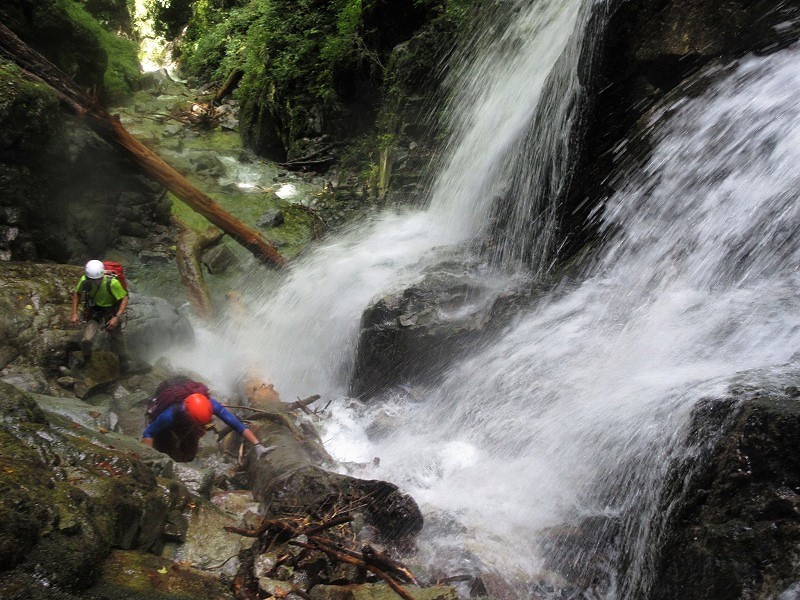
x=28, y=114
x=70, y=37
x=379, y=591
x=48, y=27
x=67, y=497
x=136, y=576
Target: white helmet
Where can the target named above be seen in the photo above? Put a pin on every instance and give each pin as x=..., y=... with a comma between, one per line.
x=95, y=269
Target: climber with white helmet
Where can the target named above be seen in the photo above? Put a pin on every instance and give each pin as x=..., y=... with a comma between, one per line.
x=105, y=302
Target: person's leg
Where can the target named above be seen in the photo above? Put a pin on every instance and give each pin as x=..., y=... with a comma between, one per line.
x=89, y=332
x=189, y=446
x=118, y=347
x=180, y=443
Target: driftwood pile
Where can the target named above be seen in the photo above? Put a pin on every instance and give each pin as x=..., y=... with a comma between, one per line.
x=334, y=538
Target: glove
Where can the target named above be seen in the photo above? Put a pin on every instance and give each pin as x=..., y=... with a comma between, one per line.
x=260, y=450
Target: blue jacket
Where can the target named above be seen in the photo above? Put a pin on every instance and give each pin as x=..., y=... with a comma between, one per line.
x=168, y=419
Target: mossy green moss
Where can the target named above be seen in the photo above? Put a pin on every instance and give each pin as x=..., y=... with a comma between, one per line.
x=28, y=114
x=122, y=70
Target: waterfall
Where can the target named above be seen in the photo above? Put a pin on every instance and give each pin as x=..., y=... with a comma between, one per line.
x=575, y=413
x=305, y=332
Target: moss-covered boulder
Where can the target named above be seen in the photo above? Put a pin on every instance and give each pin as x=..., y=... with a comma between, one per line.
x=66, y=500
x=135, y=576
x=95, y=57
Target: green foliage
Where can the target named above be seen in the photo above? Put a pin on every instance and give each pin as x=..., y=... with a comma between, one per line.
x=343, y=46
x=168, y=16
x=289, y=50
x=214, y=49
x=122, y=71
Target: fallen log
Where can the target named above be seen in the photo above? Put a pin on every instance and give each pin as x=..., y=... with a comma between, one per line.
x=227, y=88
x=188, y=252
x=38, y=68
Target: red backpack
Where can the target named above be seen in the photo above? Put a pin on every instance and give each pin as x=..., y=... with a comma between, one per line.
x=115, y=269
x=171, y=391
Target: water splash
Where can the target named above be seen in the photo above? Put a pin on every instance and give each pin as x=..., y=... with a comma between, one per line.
x=577, y=411
x=305, y=333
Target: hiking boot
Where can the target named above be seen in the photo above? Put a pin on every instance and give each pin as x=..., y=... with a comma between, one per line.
x=124, y=364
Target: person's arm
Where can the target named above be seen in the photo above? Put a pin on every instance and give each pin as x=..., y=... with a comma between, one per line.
x=113, y=322
x=230, y=419
x=233, y=421
x=76, y=296
x=163, y=422
x=250, y=436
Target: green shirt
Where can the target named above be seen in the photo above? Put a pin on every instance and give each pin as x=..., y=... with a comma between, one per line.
x=108, y=293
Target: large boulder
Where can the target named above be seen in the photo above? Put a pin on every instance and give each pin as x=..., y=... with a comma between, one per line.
x=407, y=337
x=735, y=529
x=50, y=29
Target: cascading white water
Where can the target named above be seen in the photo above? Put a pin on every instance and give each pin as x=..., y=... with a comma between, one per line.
x=305, y=332
x=578, y=409
x=575, y=410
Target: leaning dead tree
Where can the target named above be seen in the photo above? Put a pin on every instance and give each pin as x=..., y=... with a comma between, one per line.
x=188, y=251
x=37, y=67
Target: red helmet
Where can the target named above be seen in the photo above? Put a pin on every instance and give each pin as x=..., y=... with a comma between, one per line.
x=199, y=408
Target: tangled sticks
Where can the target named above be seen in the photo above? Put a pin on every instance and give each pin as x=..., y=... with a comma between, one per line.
x=300, y=533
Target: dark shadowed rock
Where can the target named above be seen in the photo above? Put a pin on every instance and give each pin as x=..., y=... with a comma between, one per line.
x=735, y=532
x=406, y=337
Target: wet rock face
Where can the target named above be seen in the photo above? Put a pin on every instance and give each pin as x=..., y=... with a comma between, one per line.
x=736, y=531
x=64, y=193
x=406, y=337
x=65, y=500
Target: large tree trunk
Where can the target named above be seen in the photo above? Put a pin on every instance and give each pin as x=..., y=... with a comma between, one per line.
x=39, y=68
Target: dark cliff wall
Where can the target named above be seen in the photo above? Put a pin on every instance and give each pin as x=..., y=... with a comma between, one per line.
x=647, y=50
x=65, y=195
x=735, y=530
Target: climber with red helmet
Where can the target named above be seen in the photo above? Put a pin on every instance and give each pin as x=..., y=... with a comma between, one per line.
x=176, y=430
x=105, y=302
